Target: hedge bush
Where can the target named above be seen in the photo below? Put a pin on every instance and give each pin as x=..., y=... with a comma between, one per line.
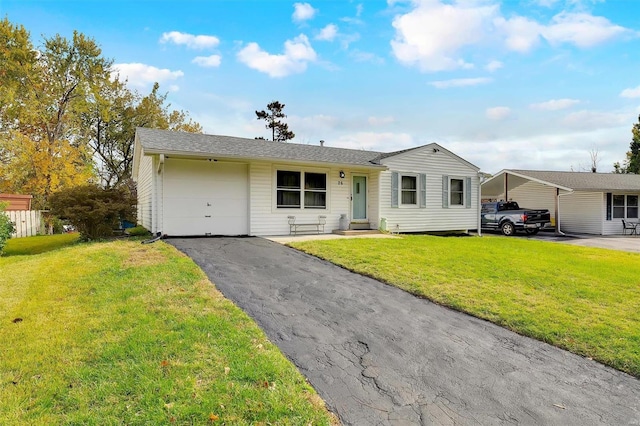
x=95, y=212
x=6, y=227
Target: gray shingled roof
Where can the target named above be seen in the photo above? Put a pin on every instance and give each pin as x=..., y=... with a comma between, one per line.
x=167, y=142
x=585, y=181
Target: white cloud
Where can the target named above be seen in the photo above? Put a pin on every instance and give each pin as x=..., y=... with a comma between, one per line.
x=380, y=121
x=521, y=34
x=302, y=12
x=359, y=9
x=141, y=75
x=297, y=53
x=430, y=35
x=212, y=61
x=555, y=104
x=632, y=92
x=493, y=66
x=460, y=82
x=190, y=40
x=498, y=113
x=586, y=120
x=328, y=33
x=360, y=56
x=581, y=29
x=374, y=141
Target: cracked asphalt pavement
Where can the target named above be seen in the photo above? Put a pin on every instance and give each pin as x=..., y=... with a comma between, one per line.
x=380, y=356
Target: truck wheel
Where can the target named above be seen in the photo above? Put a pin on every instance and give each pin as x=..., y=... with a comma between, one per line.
x=532, y=231
x=507, y=229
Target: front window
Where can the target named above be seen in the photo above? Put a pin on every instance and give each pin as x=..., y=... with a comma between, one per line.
x=456, y=192
x=291, y=194
x=315, y=190
x=632, y=206
x=288, y=189
x=625, y=206
x=409, y=190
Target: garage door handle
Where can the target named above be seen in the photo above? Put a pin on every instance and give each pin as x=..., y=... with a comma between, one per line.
x=207, y=215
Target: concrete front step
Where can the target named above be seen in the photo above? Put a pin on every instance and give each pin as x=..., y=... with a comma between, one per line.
x=359, y=225
x=356, y=231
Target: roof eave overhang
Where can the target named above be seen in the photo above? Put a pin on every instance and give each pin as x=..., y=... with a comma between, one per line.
x=188, y=154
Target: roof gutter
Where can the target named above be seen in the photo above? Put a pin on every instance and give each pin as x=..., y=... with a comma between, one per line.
x=167, y=154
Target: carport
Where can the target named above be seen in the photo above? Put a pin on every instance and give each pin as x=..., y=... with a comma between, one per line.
x=585, y=202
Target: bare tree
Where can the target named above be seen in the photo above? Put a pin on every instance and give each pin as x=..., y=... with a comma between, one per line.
x=593, y=153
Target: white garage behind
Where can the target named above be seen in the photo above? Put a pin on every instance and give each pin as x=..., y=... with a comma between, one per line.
x=202, y=197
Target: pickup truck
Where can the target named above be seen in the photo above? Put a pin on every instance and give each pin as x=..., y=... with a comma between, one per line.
x=508, y=217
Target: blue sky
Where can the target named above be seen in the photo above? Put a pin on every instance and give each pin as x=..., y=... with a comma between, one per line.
x=534, y=84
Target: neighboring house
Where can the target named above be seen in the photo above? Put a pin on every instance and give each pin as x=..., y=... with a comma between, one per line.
x=16, y=201
x=196, y=184
x=579, y=202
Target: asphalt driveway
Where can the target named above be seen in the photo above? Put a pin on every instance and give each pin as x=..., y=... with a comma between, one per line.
x=378, y=355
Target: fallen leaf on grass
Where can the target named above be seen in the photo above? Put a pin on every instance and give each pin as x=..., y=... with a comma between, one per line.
x=560, y=406
x=227, y=370
x=213, y=417
x=164, y=363
x=17, y=320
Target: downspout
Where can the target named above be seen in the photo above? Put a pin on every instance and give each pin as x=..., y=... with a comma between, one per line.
x=160, y=162
x=481, y=179
x=558, y=194
x=155, y=196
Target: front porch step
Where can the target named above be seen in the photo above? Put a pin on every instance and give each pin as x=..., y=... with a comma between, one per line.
x=356, y=231
x=359, y=226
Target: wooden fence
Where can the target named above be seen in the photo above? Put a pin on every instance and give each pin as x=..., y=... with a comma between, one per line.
x=28, y=222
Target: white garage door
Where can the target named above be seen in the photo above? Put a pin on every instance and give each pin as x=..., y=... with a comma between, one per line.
x=205, y=198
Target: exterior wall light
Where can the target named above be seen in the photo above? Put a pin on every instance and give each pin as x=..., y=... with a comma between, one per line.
x=341, y=174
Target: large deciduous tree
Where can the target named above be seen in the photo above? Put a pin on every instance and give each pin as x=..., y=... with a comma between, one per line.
x=279, y=130
x=48, y=89
x=65, y=119
x=112, y=123
x=632, y=162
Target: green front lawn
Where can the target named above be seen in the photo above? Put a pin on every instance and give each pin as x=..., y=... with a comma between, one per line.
x=125, y=333
x=39, y=244
x=586, y=300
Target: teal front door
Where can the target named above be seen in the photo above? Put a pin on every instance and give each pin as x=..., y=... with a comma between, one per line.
x=359, y=198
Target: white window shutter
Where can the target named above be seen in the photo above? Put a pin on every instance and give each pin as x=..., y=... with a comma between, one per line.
x=445, y=192
x=394, y=189
x=423, y=190
x=467, y=192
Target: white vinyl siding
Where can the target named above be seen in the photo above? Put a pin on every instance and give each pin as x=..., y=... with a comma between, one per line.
x=266, y=219
x=583, y=213
x=145, y=192
x=433, y=217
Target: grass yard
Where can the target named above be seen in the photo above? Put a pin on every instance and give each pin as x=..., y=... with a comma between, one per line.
x=586, y=300
x=125, y=333
x=39, y=244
